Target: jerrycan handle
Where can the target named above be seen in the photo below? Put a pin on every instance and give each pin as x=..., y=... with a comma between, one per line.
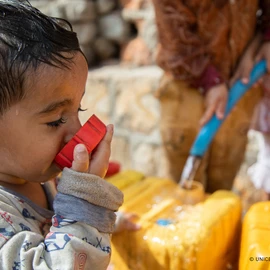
x=208, y=131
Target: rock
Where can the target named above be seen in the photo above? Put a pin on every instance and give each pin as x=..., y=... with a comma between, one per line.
x=105, y=6
x=114, y=28
x=79, y=10
x=86, y=32
x=136, y=53
x=105, y=48
x=89, y=54
x=53, y=9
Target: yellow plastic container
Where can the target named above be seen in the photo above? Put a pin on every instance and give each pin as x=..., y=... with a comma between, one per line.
x=126, y=178
x=176, y=236
x=255, y=243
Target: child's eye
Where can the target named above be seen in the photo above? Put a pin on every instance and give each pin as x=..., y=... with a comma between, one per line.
x=57, y=123
x=81, y=110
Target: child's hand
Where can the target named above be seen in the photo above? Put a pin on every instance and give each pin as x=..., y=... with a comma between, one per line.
x=126, y=222
x=97, y=162
x=215, y=103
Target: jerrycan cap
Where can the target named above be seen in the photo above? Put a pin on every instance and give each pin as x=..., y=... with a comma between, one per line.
x=163, y=222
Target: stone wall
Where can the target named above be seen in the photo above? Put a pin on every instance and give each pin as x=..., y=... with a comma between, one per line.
x=123, y=93
x=109, y=30
x=141, y=50
x=126, y=97
x=101, y=29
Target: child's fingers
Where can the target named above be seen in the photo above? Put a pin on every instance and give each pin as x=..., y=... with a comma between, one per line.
x=126, y=222
x=100, y=157
x=131, y=224
x=80, y=159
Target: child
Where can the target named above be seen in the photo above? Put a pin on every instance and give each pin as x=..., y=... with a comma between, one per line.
x=42, y=80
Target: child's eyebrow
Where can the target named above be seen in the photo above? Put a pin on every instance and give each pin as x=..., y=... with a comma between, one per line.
x=55, y=105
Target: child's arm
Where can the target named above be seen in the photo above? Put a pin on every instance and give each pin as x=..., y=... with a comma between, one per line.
x=84, y=219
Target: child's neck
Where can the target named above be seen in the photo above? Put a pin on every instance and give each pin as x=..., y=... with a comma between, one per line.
x=32, y=190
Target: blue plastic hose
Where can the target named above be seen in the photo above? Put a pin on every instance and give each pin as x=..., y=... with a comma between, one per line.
x=209, y=130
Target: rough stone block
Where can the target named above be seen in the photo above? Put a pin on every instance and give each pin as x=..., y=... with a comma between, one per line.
x=96, y=100
x=105, y=6
x=120, y=32
x=86, y=32
x=149, y=159
x=120, y=152
x=50, y=8
x=80, y=10
x=124, y=96
x=89, y=54
x=104, y=48
x=137, y=109
x=136, y=53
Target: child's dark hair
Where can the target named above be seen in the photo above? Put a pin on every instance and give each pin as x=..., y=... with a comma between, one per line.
x=29, y=38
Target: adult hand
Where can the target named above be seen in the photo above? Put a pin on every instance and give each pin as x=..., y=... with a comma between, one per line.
x=264, y=53
x=254, y=53
x=243, y=70
x=97, y=162
x=215, y=103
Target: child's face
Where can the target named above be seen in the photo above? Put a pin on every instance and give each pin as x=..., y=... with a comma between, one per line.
x=34, y=130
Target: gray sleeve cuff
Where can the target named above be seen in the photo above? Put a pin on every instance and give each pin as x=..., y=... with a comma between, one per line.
x=91, y=188
x=80, y=210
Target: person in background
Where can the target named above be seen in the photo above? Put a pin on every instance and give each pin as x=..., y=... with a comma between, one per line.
x=255, y=185
x=259, y=172
x=201, y=44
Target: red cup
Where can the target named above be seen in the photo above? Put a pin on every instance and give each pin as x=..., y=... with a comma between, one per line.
x=90, y=134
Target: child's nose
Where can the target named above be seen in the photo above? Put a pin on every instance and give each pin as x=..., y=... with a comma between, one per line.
x=72, y=129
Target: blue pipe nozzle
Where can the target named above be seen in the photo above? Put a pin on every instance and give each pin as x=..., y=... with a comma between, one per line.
x=208, y=131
